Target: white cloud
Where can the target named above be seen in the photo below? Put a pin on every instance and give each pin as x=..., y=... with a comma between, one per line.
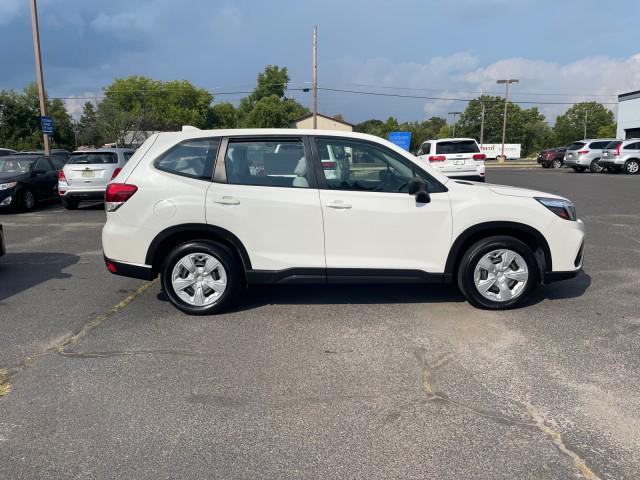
x=75, y=104
x=9, y=9
x=462, y=76
x=120, y=23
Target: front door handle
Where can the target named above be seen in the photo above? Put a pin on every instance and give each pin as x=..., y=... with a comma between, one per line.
x=227, y=201
x=339, y=205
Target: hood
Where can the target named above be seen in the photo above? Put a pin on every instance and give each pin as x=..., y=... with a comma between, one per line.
x=11, y=177
x=508, y=191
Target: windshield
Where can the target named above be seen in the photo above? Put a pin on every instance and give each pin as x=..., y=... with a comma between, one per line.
x=576, y=146
x=93, y=158
x=461, y=146
x=16, y=165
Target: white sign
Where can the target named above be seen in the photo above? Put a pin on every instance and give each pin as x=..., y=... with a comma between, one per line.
x=492, y=150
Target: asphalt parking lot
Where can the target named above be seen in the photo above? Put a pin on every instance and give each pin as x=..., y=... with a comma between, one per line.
x=108, y=380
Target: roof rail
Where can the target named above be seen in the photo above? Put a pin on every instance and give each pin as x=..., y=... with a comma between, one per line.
x=189, y=128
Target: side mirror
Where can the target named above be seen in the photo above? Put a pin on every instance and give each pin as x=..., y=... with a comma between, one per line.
x=418, y=188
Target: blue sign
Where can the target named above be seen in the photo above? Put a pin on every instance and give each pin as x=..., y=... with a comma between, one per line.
x=47, y=125
x=402, y=139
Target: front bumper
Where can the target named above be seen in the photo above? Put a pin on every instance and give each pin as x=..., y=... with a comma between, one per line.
x=3, y=249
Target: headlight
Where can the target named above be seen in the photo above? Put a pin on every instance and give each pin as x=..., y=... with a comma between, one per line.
x=562, y=208
x=7, y=186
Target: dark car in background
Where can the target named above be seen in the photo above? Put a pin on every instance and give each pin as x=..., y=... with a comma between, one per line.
x=552, y=157
x=58, y=152
x=27, y=179
x=6, y=151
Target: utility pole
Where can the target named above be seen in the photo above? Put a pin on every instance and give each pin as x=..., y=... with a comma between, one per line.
x=315, y=77
x=481, y=119
x=39, y=76
x=504, y=120
x=585, y=122
x=454, y=121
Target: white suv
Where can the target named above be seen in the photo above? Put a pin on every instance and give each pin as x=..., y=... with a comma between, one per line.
x=455, y=157
x=214, y=211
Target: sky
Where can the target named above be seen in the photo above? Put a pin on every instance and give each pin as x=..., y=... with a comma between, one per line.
x=561, y=51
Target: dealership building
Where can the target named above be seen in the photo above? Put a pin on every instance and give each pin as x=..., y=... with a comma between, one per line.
x=629, y=115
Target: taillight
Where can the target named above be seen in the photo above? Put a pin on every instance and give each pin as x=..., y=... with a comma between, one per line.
x=479, y=156
x=616, y=151
x=328, y=164
x=583, y=152
x=61, y=176
x=115, y=173
x=437, y=158
x=116, y=194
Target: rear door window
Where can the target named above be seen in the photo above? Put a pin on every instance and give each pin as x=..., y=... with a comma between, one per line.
x=598, y=145
x=632, y=146
x=92, y=158
x=268, y=163
x=457, y=146
x=128, y=155
x=576, y=146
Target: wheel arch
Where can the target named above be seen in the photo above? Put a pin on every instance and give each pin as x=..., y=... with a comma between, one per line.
x=177, y=234
x=525, y=233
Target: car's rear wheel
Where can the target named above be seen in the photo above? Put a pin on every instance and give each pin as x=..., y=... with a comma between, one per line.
x=557, y=163
x=497, y=273
x=594, y=166
x=579, y=169
x=201, y=277
x=632, y=167
x=70, y=204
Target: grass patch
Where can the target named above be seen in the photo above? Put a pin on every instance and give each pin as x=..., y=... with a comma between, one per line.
x=5, y=386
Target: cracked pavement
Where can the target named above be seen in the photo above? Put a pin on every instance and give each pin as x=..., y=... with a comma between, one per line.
x=109, y=381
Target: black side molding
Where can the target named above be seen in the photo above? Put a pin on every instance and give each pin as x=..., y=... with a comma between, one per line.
x=343, y=276
x=132, y=271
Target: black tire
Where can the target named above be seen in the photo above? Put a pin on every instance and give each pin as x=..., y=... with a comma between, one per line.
x=594, y=166
x=556, y=163
x=27, y=200
x=579, y=169
x=232, y=269
x=70, y=204
x=632, y=167
x=473, y=255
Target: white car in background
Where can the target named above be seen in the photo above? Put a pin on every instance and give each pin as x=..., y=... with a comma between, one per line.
x=213, y=211
x=87, y=172
x=455, y=157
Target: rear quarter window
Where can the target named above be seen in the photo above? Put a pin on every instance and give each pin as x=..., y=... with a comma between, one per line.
x=612, y=145
x=460, y=146
x=576, y=146
x=190, y=158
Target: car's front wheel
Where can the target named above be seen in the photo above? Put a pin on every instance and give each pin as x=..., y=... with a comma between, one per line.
x=595, y=167
x=27, y=200
x=201, y=277
x=557, y=163
x=632, y=167
x=497, y=273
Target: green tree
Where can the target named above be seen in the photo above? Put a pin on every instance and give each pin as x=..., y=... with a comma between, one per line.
x=266, y=106
x=20, y=120
x=88, y=131
x=222, y=115
x=420, y=131
x=607, y=131
x=139, y=103
x=571, y=125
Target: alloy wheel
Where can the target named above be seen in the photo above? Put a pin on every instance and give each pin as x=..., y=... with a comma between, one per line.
x=556, y=163
x=199, y=279
x=28, y=199
x=632, y=167
x=501, y=275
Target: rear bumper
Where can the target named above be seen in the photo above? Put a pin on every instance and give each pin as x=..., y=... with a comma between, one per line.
x=97, y=195
x=611, y=163
x=129, y=270
x=577, y=162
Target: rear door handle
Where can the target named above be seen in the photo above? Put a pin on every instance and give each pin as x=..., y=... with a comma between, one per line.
x=227, y=201
x=339, y=205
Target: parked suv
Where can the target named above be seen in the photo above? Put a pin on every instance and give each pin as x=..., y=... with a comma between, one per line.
x=622, y=155
x=87, y=173
x=213, y=211
x=585, y=154
x=455, y=157
x=552, y=157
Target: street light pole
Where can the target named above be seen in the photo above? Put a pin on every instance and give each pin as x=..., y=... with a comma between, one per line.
x=506, y=102
x=481, y=119
x=39, y=76
x=315, y=77
x=585, y=122
x=454, y=121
